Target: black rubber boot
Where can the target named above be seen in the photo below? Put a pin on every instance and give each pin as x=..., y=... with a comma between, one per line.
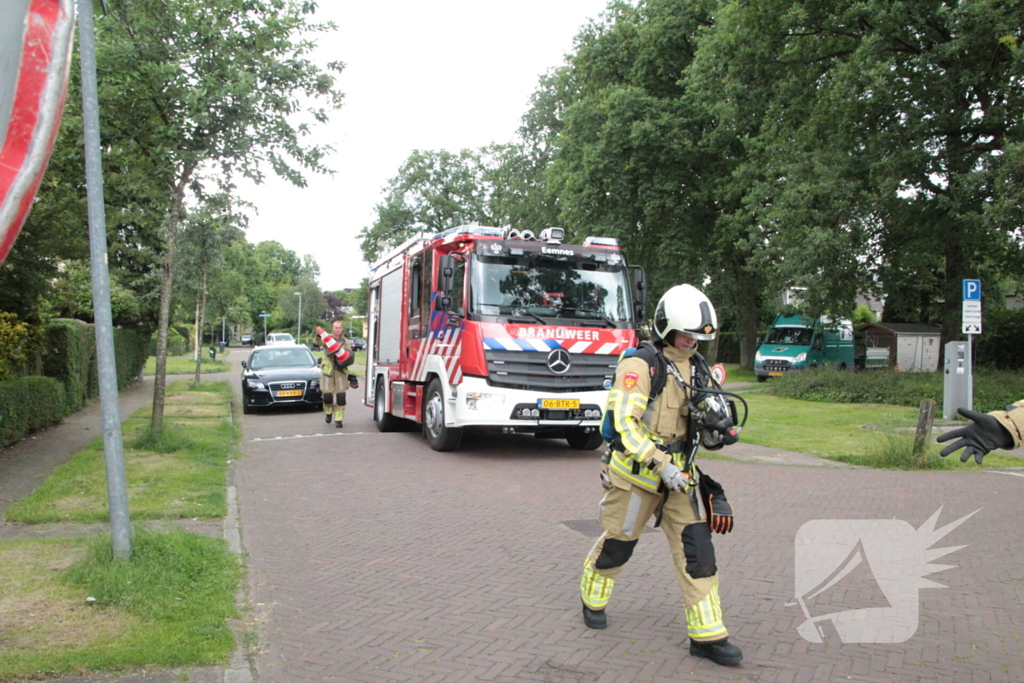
x=327, y=418
x=594, y=618
x=338, y=424
x=718, y=651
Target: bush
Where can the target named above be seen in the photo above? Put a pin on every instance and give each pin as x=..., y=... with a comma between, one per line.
x=176, y=343
x=68, y=356
x=28, y=403
x=999, y=346
x=992, y=389
x=16, y=339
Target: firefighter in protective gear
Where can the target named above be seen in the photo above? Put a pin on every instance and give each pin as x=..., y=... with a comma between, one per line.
x=336, y=380
x=998, y=429
x=647, y=475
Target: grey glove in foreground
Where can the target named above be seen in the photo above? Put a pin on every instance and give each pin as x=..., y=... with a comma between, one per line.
x=676, y=479
x=977, y=439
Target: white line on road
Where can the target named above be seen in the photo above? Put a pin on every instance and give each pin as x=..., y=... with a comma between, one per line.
x=305, y=436
x=1012, y=474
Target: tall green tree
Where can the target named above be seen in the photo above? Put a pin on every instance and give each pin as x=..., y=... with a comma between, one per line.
x=225, y=86
x=885, y=139
x=433, y=191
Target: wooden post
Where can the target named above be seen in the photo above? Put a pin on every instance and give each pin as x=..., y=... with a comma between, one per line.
x=925, y=420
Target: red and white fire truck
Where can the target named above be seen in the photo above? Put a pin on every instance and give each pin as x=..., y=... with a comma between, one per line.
x=481, y=327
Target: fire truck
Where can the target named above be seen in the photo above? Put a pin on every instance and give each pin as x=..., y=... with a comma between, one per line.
x=493, y=329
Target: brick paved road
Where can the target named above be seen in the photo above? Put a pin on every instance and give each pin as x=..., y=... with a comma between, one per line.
x=375, y=558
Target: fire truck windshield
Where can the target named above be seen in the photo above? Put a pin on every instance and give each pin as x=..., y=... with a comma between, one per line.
x=532, y=285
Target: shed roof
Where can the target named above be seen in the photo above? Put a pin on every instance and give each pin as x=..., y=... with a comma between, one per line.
x=904, y=328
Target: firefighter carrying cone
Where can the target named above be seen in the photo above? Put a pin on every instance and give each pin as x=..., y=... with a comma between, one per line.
x=338, y=357
x=650, y=472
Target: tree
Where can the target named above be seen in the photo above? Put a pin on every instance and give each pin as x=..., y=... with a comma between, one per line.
x=432, y=192
x=883, y=138
x=225, y=85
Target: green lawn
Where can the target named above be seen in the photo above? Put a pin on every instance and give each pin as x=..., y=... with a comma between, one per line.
x=170, y=605
x=186, y=365
x=733, y=373
x=856, y=433
x=182, y=474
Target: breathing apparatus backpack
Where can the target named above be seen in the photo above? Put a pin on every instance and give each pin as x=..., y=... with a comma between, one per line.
x=649, y=353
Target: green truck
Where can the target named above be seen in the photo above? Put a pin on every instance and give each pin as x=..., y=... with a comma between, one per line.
x=797, y=342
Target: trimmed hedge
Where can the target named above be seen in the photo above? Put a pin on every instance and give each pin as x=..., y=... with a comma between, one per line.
x=71, y=377
x=993, y=389
x=29, y=403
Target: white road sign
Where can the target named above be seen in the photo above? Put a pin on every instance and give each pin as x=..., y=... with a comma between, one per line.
x=971, y=317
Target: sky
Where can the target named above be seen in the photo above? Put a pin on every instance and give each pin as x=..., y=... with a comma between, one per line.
x=419, y=74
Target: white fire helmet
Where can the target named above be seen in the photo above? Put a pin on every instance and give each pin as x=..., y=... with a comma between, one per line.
x=685, y=308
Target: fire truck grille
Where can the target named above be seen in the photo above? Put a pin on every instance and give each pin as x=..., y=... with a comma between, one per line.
x=528, y=370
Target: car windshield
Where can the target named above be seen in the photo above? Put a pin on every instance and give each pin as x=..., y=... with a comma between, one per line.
x=282, y=337
x=790, y=336
x=558, y=288
x=297, y=357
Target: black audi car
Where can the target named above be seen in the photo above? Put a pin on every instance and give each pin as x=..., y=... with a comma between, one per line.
x=280, y=376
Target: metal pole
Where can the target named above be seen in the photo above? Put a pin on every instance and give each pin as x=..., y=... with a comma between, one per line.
x=113, y=449
x=299, y=335
x=223, y=320
x=264, y=329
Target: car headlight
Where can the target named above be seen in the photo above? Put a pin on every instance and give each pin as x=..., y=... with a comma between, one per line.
x=253, y=384
x=477, y=401
x=800, y=358
x=758, y=358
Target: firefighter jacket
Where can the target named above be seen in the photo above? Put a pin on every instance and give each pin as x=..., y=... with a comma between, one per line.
x=330, y=366
x=641, y=424
x=1013, y=420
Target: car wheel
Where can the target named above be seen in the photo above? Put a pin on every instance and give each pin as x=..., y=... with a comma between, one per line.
x=581, y=440
x=762, y=378
x=439, y=437
x=386, y=422
x=246, y=408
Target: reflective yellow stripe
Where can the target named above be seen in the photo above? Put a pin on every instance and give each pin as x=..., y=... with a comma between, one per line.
x=624, y=468
x=704, y=620
x=594, y=588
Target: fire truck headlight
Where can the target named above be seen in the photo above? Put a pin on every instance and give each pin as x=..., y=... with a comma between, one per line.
x=478, y=401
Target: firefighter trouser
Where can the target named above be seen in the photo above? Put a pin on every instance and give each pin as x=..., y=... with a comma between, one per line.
x=623, y=514
x=333, y=389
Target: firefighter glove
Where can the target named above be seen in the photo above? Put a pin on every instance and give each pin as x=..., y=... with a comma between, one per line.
x=675, y=479
x=976, y=439
x=720, y=517
x=353, y=381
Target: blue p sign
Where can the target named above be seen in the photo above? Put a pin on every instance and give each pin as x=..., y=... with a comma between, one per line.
x=972, y=290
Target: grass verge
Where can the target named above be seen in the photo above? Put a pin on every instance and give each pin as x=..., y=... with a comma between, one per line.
x=863, y=434
x=180, y=474
x=169, y=605
x=734, y=373
x=186, y=365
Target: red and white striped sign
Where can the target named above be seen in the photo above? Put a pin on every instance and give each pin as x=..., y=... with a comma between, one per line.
x=35, y=54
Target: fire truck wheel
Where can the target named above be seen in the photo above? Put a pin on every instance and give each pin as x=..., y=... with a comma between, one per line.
x=439, y=437
x=386, y=422
x=583, y=441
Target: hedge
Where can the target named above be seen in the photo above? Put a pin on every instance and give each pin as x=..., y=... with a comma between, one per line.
x=28, y=403
x=993, y=389
x=70, y=377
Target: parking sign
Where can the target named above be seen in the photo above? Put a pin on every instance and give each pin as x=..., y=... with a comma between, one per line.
x=972, y=290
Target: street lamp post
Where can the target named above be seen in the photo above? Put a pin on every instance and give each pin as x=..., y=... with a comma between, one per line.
x=299, y=331
x=223, y=328
x=263, y=314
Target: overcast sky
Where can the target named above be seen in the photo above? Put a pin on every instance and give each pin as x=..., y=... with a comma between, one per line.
x=419, y=74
